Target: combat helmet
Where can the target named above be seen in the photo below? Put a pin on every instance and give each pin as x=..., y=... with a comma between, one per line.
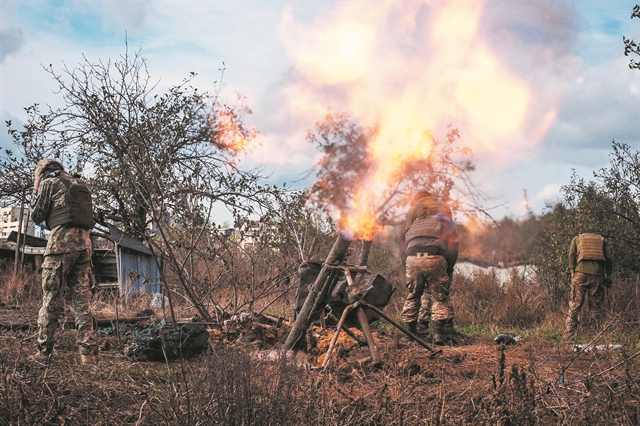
x=43, y=164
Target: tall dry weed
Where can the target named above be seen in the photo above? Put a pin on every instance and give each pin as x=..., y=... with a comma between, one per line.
x=21, y=290
x=481, y=300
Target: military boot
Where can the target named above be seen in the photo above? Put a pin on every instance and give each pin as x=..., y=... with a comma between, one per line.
x=411, y=326
x=438, y=337
x=423, y=328
x=448, y=327
x=89, y=359
x=450, y=332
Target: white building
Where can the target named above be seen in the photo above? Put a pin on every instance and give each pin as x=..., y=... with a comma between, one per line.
x=9, y=220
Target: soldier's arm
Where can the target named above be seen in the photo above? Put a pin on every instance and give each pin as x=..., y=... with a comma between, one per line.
x=573, y=255
x=409, y=220
x=453, y=248
x=608, y=263
x=41, y=202
x=402, y=248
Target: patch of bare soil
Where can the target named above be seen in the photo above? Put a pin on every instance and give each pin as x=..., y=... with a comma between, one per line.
x=476, y=382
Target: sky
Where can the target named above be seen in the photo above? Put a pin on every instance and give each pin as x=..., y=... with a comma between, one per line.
x=538, y=89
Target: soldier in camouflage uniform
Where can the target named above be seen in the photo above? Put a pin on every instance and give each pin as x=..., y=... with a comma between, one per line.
x=429, y=266
x=67, y=263
x=590, y=266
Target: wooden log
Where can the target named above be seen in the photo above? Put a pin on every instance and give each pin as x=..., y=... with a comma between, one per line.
x=70, y=322
x=106, y=322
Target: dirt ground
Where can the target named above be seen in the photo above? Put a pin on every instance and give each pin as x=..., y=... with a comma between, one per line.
x=474, y=382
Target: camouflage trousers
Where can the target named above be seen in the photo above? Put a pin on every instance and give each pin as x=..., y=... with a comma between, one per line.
x=427, y=281
x=72, y=270
x=583, y=287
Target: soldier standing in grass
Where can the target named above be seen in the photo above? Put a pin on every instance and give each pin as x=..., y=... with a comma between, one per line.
x=64, y=203
x=590, y=265
x=430, y=243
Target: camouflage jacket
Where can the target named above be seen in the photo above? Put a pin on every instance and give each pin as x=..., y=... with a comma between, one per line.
x=63, y=238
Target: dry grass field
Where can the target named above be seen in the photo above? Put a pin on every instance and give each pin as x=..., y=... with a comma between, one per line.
x=540, y=380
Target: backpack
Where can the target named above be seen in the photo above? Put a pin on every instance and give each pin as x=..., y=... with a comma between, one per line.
x=77, y=209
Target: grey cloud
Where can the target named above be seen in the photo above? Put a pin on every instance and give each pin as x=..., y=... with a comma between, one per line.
x=597, y=101
x=124, y=15
x=599, y=105
x=528, y=35
x=11, y=39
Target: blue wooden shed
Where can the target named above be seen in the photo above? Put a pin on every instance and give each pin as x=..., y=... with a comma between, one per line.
x=130, y=266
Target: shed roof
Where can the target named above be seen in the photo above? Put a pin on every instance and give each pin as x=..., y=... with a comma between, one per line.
x=30, y=240
x=116, y=235
x=123, y=240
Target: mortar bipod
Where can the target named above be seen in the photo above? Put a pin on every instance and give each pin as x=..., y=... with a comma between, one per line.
x=356, y=295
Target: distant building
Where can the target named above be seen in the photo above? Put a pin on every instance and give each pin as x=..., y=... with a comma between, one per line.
x=10, y=219
x=247, y=234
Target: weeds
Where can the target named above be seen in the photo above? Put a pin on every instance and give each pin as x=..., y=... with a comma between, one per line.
x=22, y=290
x=480, y=300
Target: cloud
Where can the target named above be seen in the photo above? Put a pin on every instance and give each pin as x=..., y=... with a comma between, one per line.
x=128, y=15
x=11, y=40
x=549, y=190
x=599, y=104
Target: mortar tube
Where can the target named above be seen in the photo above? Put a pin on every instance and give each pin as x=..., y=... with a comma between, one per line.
x=321, y=286
x=365, y=250
x=327, y=287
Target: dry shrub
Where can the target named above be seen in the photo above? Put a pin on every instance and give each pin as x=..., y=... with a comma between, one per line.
x=226, y=387
x=524, y=398
x=480, y=300
x=24, y=289
x=523, y=304
x=230, y=388
x=474, y=298
x=513, y=400
x=624, y=298
x=139, y=304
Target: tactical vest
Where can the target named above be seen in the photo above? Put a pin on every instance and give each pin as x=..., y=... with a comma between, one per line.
x=77, y=210
x=590, y=247
x=430, y=226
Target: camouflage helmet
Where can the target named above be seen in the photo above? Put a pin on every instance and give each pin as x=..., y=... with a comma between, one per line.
x=420, y=195
x=43, y=164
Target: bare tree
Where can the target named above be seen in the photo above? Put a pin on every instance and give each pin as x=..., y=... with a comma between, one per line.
x=157, y=162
